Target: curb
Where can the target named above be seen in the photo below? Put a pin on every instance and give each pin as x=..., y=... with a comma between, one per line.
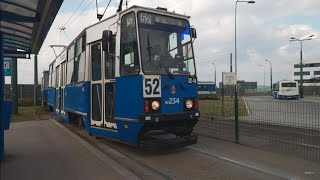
x=247, y=107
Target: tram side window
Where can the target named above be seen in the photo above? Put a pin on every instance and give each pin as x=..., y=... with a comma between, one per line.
x=54, y=78
x=110, y=61
x=57, y=76
x=96, y=62
x=79, y=60
x=71, y=52
x=129, y=48
x=70, y=65
x=45, y=80
x=63, y=74
x=50, y=75
x=70, y=72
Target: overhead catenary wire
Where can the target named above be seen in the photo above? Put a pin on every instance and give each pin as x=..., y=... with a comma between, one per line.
x=81, y=12
x=73, y=14
x=66, y=35
x=175, y=4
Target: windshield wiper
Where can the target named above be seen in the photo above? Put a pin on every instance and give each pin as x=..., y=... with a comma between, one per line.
x=157, y=58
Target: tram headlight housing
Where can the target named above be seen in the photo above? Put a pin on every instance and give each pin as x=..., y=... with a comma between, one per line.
x=189, y=104
x=155, y=105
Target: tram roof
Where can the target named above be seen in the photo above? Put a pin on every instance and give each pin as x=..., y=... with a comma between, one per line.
x=114, y=15
x=142, y=8
x=25, y=24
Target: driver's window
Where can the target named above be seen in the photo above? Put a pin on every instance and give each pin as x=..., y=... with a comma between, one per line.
x=187, y=51
x=129, y=46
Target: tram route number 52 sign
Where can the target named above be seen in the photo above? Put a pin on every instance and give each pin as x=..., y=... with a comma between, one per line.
x=151, y=86
x=7, y=67
x=229, y=78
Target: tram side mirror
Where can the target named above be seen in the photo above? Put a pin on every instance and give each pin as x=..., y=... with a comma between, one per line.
x=194, y=33
x=106, y=39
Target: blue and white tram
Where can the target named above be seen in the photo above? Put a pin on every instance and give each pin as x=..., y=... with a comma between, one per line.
x=130, y=77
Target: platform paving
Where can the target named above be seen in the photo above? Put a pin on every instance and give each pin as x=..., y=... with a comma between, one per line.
x=42, y=150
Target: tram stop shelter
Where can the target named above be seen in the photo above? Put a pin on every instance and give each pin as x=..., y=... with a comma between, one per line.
x=24, y=26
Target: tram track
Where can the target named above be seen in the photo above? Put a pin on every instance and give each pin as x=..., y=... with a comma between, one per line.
x=191, y=149
x=154, y=171
x=184, y=163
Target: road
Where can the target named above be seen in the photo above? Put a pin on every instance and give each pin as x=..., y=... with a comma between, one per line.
x=303, y=113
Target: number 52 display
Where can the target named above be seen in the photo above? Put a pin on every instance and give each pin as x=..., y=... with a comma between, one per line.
x=151, y=86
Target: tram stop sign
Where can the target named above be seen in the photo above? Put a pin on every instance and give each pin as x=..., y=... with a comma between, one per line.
x=7, y=67
x=229, y=78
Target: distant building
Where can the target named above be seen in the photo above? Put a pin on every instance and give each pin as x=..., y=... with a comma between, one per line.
x=311, y=74
x=245, y=87
x=248, y=87
x=206, y=87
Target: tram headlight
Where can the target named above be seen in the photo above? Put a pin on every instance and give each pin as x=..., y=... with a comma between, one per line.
x=155, y=105
x=189, y=104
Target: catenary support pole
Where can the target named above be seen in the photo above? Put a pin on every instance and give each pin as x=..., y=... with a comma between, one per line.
x=230, y=62
x=35, y=89
x=271, y=77
x=14, y=84
x=231, y=93
x=222, y=93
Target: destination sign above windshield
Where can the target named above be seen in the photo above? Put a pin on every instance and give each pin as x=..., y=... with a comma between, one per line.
x=153, y=19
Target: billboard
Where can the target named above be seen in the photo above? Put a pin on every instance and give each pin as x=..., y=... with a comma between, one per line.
x=7, y=67
x=229, y=78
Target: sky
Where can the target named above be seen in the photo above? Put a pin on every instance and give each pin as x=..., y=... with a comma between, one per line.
x=263, y=32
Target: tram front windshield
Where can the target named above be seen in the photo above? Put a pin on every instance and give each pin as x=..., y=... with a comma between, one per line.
x=166, y=46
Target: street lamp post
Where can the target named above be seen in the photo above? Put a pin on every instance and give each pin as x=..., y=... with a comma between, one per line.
x=236, y=71
x=301, y=64
x=235, y=32
x=270, y=75
x=264, y=77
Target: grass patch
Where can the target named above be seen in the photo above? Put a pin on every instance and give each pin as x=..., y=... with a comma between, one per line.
x=214, y=108
x=26, y=113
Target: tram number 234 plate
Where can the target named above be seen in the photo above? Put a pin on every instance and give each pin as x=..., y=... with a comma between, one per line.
x=151, y=86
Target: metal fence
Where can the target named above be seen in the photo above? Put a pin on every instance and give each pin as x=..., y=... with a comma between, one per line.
x=25, y=91
x=285, y=126
x=229, y=91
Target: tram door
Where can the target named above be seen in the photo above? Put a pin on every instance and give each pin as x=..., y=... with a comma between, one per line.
x=109, y=84
x=62, y=84
x=57, y=103
x=102, y=86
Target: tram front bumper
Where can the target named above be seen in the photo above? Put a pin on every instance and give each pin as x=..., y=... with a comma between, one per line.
x=191, y=115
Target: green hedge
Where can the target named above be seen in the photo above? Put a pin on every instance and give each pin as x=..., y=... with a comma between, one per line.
x=208, y=97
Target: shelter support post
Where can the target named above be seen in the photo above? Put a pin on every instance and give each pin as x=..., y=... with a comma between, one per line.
x=14, y=84
x=35, y=90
